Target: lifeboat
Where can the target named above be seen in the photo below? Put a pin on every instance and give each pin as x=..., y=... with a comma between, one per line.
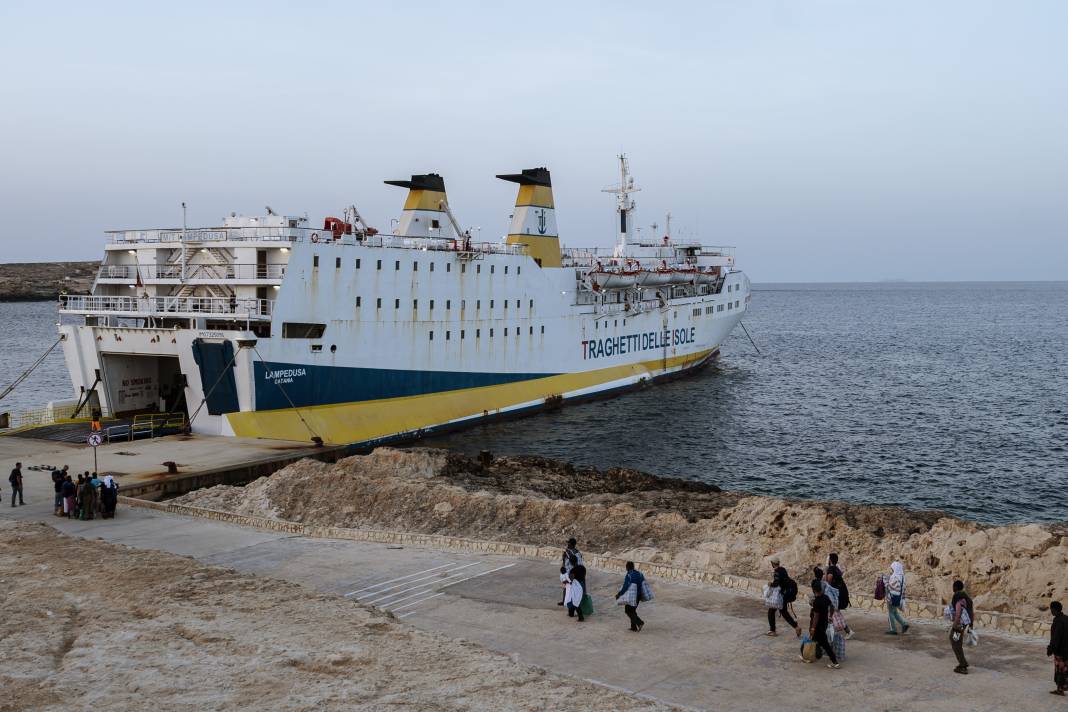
x=707, y=275
x=684, y=274
x=613, y=277
x=656, y=276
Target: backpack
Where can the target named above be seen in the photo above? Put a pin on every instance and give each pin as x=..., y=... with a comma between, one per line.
x=789, y=590
x=880, y=589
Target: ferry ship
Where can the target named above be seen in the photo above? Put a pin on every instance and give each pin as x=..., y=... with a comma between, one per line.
x=274, y=326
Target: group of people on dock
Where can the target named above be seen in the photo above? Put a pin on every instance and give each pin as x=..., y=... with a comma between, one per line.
x=828, y=629
x=828, y=597
x=576, y=595
x=88, y=497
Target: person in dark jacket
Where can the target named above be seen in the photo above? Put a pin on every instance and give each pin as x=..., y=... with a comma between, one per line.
x=633, y=578
x=58, y=477
x=843, y=591
x=571, y=558
x=15, y=478
x=782, y=581
x=1058, y=647
x=68, y=491
x=817, y=625
x=961, y=605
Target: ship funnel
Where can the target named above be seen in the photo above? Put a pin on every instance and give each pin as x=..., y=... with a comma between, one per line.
x=534, y=219
x=424, y=209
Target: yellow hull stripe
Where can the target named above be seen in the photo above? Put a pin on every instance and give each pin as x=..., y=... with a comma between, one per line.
x=347, y=423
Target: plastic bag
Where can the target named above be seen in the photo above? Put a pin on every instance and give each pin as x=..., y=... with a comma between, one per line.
x=773, y=597
x=808, y=649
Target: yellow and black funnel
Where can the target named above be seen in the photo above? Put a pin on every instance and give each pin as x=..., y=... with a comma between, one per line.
x=423, y=214
x=534, y=219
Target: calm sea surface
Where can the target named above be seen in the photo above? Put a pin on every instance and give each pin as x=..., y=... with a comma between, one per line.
x=944, y=396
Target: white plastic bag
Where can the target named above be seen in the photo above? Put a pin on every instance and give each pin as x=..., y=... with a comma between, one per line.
x=772, y=597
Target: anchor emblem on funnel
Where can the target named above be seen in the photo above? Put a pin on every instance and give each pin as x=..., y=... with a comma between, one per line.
x=541, y=222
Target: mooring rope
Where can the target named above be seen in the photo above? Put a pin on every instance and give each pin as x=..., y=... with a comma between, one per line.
x=315, y=436
x=28, y=371
x=750, y=338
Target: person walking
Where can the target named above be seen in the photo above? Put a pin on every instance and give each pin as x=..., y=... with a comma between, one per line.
x=819, y=617
x=1058, y=647
x=788, y=587
x=837, y=579
x=573, y=598
x=834, y=590
x=15, y=478
x=963, y=615
x=632, y=591
x=895, y=598
x=569, y=560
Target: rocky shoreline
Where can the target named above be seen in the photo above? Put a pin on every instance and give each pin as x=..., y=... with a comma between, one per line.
x=45, y=281
x=1014, y=569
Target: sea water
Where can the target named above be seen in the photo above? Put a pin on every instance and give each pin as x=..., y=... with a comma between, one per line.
x=950, y=396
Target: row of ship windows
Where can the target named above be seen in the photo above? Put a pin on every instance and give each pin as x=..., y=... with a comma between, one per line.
x=719, y=307
x=478, y=333
x=415, y=266
x=448, y=303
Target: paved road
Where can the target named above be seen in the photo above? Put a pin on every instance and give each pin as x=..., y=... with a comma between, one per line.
x=701, y=648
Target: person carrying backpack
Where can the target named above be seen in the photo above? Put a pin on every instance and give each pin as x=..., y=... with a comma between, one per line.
x=788, y=587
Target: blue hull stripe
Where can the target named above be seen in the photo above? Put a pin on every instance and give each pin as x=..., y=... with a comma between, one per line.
x=325, y=385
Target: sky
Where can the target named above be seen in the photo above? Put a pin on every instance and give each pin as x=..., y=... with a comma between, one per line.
x=828, y=140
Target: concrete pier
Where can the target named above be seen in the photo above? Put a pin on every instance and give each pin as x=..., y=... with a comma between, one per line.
x=141, y=466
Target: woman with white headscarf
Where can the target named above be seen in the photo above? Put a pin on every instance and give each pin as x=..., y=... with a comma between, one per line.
x=895, y=598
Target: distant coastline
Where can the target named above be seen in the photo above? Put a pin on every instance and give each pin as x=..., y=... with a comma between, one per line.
x=45, y=281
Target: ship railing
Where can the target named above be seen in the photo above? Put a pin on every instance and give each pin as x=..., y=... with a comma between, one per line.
x=215, y=272
x=674, y=252
x=52, y=415
x=442, y=244
x=220, y=234
x=184, y=306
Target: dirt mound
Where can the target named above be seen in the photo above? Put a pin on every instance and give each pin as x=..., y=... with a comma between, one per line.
x=1016, y=569
x=91, y=625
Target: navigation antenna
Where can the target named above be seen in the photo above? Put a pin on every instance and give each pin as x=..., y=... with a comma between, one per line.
x=624, y=205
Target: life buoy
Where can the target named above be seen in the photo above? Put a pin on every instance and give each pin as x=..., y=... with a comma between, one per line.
x=315, y=237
